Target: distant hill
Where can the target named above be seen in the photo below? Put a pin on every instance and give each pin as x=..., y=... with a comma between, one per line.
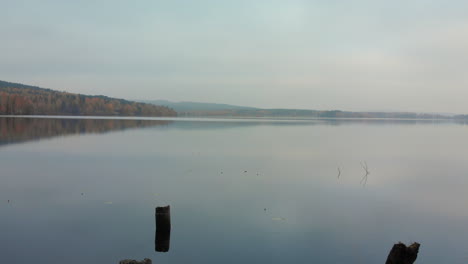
x=195, y=106
x=194, y=109
x=20, y=99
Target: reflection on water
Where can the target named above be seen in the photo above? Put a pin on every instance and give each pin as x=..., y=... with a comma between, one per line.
x=209, y=123
x=255, y=191
x=21, y=129
x=16, y=130
x=163, y=229
x=366, y=170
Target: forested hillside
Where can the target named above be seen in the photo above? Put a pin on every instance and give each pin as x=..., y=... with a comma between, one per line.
x=19, y=99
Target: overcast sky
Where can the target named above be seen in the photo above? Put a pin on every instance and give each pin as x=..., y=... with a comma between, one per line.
x=406, y=55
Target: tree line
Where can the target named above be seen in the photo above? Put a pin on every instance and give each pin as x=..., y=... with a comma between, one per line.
x=299, y=113
x=18, y=99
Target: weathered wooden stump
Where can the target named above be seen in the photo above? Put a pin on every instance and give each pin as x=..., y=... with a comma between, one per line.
x=163, y=229
x=131, y=261
x=401, y=254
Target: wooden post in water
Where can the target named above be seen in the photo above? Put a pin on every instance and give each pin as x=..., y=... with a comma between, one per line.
x=401, y=254
x=163, y=229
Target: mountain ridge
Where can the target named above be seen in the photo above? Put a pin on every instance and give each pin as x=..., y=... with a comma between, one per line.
x=191, y=106
x=199, y=109
x=22, y=99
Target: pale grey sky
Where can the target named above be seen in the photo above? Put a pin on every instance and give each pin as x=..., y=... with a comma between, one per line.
x=409, y=55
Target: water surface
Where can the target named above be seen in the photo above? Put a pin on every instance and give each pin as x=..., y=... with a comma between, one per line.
x=241, y=191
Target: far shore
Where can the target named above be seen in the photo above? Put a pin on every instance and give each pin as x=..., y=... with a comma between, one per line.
x=244, y=118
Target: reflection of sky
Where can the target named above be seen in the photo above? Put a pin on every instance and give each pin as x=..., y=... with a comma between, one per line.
x=414, y=193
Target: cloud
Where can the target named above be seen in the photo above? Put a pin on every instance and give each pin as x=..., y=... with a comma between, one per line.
x=356, y=55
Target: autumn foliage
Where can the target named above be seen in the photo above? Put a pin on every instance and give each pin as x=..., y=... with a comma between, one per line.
x=18, y=99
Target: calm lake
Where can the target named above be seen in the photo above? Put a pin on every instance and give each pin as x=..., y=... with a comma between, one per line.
x=240, y=191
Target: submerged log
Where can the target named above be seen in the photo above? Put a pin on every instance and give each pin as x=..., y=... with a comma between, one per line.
x=401, y=254
x=163, y=229
x=131, y=261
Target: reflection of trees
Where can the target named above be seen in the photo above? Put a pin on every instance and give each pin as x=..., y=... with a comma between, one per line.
x=15, y=130
x=163, y=229
x=366, y=169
